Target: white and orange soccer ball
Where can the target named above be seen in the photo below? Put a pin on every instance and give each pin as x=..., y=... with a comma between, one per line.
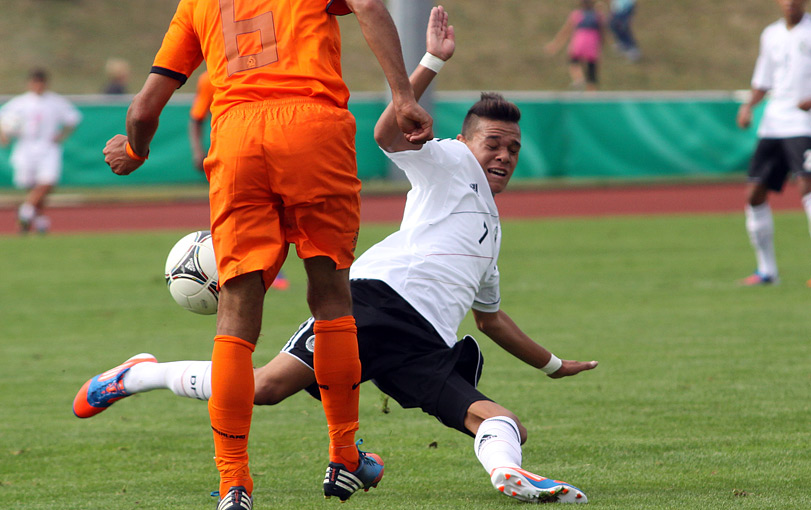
x=191, y=273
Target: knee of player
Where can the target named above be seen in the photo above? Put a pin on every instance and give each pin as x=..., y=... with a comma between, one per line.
x=267, y=395
x=522, y=431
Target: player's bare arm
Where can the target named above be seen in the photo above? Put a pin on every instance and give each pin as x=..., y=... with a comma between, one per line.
x=744, y=119
x=142, y=122
x=439, y=42
x=381, y=35
x=506, y=333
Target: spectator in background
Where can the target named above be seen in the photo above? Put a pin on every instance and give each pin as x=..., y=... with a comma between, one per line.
x=784, y=134
x=118, y=76
x=622, y=14
x=39, y=120
x=584, y=30
x=198, y=114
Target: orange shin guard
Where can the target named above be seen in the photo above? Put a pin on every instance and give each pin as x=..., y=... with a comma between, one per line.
x=338, y=372
x=230, y=408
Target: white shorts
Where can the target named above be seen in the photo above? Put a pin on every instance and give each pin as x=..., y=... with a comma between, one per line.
x=36, y=165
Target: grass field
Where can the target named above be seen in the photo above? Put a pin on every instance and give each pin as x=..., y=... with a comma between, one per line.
x=701, y=399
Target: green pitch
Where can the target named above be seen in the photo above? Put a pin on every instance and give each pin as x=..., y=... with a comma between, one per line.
x=702, y=399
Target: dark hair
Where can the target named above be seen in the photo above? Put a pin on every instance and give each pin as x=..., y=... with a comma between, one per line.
x=491, y=106
x=38, y=74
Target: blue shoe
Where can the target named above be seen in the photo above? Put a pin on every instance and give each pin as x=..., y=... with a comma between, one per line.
x=237, y=498
x=757, y=278
x=531, y=488
x=343, y=483
x=100, y=392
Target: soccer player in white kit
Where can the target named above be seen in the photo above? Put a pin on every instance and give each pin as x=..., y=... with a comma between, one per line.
x=42, y=120
x=784, y=136
x=410, y=293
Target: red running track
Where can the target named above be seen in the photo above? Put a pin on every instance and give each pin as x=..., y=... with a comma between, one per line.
x=568, y=202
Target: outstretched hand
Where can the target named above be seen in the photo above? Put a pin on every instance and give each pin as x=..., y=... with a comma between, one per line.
x=571, y=367
x=439, y=36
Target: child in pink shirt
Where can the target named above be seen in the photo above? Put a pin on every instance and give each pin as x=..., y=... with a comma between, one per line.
x=584, y=28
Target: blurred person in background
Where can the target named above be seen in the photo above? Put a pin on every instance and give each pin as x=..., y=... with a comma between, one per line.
x=39, y=121
x=198, y=114
x=118, y=76
x=783, y=68
x=584, y=29
x=622, y=14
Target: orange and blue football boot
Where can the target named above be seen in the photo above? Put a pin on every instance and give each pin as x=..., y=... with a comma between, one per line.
x=531, y=488
x=102, y=391
x=758, y=278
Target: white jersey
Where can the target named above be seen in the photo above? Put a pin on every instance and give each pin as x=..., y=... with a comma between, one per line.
x=41, y=118
x=784, y=68
x=443, y=258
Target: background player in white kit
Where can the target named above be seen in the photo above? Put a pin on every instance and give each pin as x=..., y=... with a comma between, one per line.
x=40, y=120
x=784, y=147
x=410, y=293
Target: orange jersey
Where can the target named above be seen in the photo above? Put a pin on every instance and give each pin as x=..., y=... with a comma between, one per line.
x=257, y=50
x=202, y=99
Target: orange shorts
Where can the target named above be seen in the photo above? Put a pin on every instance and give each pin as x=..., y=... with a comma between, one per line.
x=282, y=172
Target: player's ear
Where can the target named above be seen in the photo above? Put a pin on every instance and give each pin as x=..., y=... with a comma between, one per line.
x=461, y=138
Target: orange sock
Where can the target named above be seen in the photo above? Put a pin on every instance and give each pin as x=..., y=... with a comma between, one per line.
x=230, y=408
x=337, y=371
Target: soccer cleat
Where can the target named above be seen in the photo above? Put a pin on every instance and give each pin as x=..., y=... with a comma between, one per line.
x=237, y=498
x=100, y=392
x=756, y=278
x=343, y=483
x=280, y=283
x=530, y=488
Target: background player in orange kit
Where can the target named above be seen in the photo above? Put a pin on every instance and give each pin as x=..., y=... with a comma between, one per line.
x=281, y=170
x=198, y=114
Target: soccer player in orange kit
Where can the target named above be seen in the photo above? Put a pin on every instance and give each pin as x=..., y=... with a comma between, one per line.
x=281, y=170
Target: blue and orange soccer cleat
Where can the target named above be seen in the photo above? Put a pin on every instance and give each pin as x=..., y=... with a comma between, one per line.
x=757, y=278
x=343, y=483
x=280, y=283
x=100, y=392
x=531, y=488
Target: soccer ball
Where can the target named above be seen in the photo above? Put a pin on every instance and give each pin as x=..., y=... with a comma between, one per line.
x=191, y=273
x=11, y=124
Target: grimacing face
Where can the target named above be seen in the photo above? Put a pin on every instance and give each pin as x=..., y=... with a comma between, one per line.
x=495, y=145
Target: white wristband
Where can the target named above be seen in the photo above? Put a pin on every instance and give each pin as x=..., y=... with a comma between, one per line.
x=553, y=366
x=432, y=62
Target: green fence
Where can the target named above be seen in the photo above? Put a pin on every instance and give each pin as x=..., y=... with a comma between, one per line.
x=563, y=136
